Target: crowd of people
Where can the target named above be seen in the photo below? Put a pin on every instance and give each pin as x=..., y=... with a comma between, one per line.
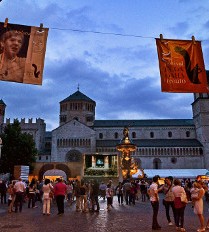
x=86, y=195
x=176, y=196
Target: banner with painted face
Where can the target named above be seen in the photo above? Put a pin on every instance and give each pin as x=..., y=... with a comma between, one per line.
x=22, y=53
x=182, y=66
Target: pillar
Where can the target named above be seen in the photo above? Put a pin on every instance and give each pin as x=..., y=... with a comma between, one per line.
x=106, y=162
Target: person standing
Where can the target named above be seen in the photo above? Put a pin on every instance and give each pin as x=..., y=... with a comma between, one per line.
x=11, y=198
x=168, y=200
x=178, y=204
x=46, y=189
x=60, y=191
x=94, y=196
x=154, y=199
x=126, y=189
x=197, y=194
x=83, y=197
x=143, y=189
x=102, y=189
x=70, y=192
x=3, y=191
x=77, y=190
x=19, y=192
x=109, y=196
x=119, y=193
x=32, y=193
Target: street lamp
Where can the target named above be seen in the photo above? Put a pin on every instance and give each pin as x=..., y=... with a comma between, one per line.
x=0, y=146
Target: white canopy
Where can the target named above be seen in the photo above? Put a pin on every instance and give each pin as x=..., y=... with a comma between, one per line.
x=176, y=173
x=55, y=172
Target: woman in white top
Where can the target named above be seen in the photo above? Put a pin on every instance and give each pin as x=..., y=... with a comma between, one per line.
x=47, y=188
x=179, y=206
x=197, y=194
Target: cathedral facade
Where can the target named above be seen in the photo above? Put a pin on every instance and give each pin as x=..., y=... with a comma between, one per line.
x=84, y=146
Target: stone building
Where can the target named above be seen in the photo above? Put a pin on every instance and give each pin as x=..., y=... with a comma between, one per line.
x=82, y=146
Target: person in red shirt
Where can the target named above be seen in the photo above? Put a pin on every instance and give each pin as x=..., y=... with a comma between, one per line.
x=60, y=191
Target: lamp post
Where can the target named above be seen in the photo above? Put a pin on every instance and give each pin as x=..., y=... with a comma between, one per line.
x=0, y=146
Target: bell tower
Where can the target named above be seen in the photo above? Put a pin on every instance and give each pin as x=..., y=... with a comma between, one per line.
x=200, y=108
x=2, y=114
x=79, y=107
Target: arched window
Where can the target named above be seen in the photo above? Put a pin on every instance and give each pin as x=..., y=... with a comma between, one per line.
x=100, y=135
x=133, y=135
x=187, y=134
x=151, y=134
x=73, y=156
x=156, y=163
x=169, y=134
x=116, y=135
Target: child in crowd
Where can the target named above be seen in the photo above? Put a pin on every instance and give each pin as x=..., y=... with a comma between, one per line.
x=195, y=191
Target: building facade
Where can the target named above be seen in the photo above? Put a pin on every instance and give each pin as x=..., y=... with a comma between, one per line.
x=83, y=146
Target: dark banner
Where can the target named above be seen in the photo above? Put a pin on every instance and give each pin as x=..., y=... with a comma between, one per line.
x=182, y=66
x=22, y=53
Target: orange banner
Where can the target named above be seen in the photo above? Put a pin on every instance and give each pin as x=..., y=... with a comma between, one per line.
x=22, y=53
x=182, y=66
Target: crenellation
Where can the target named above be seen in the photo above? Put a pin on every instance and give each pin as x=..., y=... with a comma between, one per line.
x=7, y=121
x=22, y=121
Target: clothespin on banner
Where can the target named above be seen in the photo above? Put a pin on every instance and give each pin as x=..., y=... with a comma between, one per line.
x=193, y=40
x=41, y=27
x=6, y=22
x=161, y=36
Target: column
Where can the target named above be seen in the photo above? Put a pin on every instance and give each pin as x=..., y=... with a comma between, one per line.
x=119, y=169
x=106, y=162
x=93, y=161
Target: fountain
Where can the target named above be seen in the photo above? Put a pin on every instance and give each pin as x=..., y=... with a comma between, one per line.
x=128, y=164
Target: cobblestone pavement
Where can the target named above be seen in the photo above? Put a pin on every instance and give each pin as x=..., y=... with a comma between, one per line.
x=120, y=219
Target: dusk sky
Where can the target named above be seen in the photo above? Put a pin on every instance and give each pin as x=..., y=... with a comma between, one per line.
x=116, y=67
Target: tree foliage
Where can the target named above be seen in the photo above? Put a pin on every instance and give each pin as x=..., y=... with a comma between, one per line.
x=18, y=148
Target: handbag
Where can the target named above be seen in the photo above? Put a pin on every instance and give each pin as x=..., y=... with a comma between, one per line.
x=51, y=194
x=184, y=198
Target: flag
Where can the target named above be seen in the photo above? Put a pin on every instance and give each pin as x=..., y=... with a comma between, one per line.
x=22, y=53
x=182, y=66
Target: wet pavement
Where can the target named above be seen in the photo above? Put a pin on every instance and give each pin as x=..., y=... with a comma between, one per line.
x=121, y=218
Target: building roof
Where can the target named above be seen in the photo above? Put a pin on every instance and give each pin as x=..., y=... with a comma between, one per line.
x=144, y=123
x=77, y=96
x=153, y=143
x=2, y=102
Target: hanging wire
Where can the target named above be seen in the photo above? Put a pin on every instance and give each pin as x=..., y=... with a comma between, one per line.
x=103, y=33
x=109, y=33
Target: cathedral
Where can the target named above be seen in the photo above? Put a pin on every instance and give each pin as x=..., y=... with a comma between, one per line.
x=83, y=146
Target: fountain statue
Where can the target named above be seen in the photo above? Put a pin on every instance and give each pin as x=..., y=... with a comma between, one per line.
x=128, y=165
